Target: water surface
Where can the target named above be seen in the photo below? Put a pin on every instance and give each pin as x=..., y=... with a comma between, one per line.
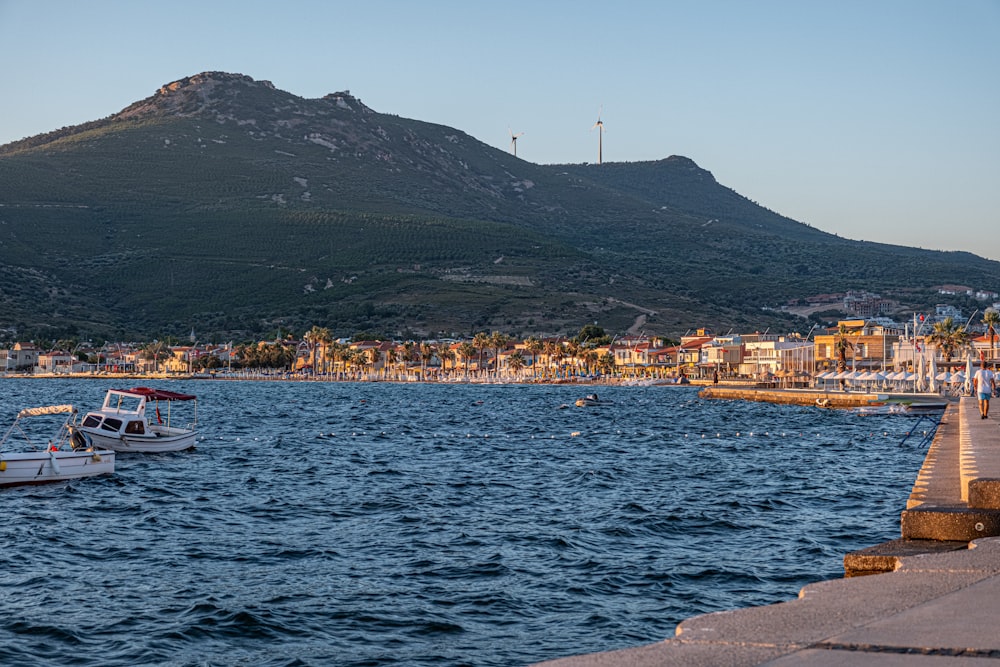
x=381, y=524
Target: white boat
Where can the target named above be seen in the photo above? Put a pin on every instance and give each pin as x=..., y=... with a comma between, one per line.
x=122, y=423
x=69, y=454
x=588, y=400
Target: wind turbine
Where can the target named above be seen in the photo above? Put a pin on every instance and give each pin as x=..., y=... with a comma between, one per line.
x=513, y=141
x=599, y=126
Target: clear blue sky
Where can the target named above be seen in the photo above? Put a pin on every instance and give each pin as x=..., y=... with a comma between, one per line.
x=871, y=119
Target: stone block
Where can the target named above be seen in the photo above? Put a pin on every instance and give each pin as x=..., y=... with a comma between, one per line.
x=959, y=524
x=984, y=493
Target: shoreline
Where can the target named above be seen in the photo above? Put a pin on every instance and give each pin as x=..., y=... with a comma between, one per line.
x=411, y=379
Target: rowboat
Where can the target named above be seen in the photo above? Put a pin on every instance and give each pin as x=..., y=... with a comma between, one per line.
x=122, y=423
x=68, y=454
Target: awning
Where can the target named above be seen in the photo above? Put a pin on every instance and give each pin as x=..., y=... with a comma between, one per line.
x=158, y=394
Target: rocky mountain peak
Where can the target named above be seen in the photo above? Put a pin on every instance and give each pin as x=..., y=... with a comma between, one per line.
x=227, y=95
x=345, y=100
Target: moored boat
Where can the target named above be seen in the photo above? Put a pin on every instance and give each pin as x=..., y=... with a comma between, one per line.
x=122, y=423
x=589, y=400
x=68, y=454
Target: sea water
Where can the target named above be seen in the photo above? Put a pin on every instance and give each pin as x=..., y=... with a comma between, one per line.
x=412, y=524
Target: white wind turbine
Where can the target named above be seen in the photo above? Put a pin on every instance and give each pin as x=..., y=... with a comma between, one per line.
x=513, y=141
x=599, y=126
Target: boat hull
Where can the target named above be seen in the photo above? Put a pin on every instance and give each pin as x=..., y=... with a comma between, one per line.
x=18, y=468
x=149, y=443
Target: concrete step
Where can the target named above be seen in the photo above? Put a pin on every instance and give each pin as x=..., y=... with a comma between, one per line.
x=887, y=557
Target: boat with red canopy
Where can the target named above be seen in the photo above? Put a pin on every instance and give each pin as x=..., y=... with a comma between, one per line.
x=125, y=422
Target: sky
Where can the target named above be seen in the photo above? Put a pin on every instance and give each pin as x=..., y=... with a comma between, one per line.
x=876, y=120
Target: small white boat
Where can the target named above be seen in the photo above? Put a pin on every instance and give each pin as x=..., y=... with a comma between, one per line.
x=588, y=400
x=123, y=425
x=69, y=454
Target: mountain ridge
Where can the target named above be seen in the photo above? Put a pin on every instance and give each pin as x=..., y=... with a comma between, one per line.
x=251, y=208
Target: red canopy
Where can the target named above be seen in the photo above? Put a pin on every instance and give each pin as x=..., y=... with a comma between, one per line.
x=159, y=394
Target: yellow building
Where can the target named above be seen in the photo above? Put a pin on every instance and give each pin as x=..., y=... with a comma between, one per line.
x=870, y=345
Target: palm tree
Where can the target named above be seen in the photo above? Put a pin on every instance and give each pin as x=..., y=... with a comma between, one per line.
x=606, y=364
x=374, y=354
x=324, y=339
x=498, y=342
x=481, y=341
x=466, y=350
x=534, y=346
x=573, y=352
x=447, y=356
x=153, y=351
x=991, y=318
x=390, y=360
x=426, y=355
x=516, y=362
x=409, y=353
x=554, y=352
x=312, y=338
x=948, y=337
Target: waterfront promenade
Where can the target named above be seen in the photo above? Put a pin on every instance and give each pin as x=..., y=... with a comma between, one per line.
x=931, y=597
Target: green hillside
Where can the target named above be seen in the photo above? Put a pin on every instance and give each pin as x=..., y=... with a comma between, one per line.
x=227, y=206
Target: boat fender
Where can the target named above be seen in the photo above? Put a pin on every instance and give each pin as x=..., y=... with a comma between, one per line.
x=822, y=402
x=3, y=466
x=54, y=463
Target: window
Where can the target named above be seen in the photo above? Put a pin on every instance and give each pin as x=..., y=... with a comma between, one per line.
x=112, y=424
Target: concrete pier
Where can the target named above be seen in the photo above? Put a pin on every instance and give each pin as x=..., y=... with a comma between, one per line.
x=820, y=397
x=933, y=598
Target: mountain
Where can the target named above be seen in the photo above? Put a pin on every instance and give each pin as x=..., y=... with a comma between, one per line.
x=227, y=206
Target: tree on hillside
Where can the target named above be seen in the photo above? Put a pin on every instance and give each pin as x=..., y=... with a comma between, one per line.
x=592, y=335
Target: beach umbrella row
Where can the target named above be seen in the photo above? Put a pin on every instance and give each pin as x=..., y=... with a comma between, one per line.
x=920, y=378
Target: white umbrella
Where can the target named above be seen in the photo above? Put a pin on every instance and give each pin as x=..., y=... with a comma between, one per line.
x=968, y=374
x=932, y=373
x=880, y=378
x=921, y=375
x=903, y=378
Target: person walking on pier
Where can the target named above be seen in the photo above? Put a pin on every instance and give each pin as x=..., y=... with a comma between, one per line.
x=984, y=384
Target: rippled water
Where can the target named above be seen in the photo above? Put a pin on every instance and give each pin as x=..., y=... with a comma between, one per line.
x=378, y=524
